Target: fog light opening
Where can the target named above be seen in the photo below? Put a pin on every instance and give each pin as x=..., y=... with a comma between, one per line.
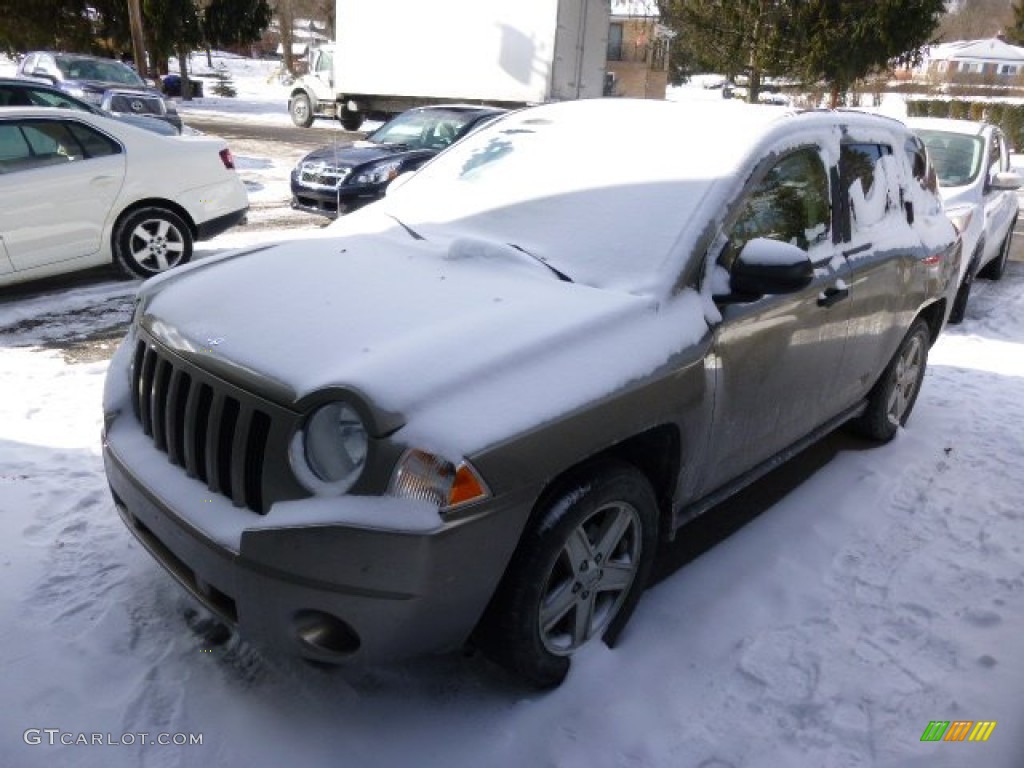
x=324, y=633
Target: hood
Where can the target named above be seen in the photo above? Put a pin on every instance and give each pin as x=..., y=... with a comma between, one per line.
x=352, y=154
x=404, y=324
x=102, y=86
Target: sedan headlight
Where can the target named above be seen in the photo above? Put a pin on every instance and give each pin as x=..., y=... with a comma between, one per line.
x=381, y=173
x=329, y=453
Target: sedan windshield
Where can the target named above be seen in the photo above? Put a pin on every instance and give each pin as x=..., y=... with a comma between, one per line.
x=423, y=129
x=107, y=71
x=956, y=156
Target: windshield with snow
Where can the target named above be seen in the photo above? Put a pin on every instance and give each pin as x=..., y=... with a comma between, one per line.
x=582, y=195
x=956, y=156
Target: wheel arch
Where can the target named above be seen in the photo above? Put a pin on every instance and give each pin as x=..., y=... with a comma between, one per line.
x=656, y=453
x=933, y=315
x=303, y=92
x=157, y=202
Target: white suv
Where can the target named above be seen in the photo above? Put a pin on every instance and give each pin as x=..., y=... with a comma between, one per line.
x=979, y=192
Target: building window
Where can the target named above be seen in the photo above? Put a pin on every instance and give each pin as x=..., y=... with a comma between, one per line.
x=615, y=42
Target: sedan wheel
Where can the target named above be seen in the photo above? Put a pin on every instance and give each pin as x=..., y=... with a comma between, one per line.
x=149, y=241
x=577, y=574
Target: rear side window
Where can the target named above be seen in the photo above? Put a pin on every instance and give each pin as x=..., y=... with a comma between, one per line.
x=857, y=163
x=94, y=143
x=867, y=174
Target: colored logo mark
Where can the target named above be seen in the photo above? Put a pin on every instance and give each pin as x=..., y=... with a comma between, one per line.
x=958, y=730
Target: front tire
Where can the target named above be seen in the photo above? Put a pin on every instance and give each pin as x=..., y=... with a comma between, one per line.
x=149, y=241
x=959, y=310
x=301, y=110
x=893, y=397
x=577, y=573
x=994, y=269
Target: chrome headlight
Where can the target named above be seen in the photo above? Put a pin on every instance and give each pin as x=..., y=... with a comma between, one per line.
x=328, y=454
x=381, y=173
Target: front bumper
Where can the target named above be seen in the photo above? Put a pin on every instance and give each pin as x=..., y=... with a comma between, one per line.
x=325, y=590
x=325, y=201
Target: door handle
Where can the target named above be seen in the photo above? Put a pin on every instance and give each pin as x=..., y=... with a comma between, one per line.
x=832, y=295
x=103, y=181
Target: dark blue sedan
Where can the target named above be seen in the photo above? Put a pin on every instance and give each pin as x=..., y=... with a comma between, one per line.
x=342, y=177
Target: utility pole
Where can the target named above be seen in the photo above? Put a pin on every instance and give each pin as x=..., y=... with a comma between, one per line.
x=138, y=41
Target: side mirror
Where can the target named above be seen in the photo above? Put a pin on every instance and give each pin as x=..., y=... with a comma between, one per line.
x=43, y=74
x=770, y=266
x=1007, y=180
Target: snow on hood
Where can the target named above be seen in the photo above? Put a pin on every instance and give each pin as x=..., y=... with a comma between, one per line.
x=466, y=349
x=353, y=154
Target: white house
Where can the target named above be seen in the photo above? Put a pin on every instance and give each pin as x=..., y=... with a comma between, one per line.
x=993, y=59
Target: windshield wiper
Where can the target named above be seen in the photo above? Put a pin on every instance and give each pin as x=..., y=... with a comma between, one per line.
x=412, y=233
x=558, y=273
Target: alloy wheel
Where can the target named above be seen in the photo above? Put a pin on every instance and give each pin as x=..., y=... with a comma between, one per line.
x=906, y=378
x=590, y=577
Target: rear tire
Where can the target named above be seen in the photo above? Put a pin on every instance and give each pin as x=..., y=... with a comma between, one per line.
x=577, y=574
x=350, y=120
x=301, y=110
x=149, y=241
x=893, y=397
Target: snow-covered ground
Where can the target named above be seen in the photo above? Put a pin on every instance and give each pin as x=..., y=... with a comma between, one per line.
x=884, y=591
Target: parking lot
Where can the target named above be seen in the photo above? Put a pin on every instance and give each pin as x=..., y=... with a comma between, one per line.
x=823, y=617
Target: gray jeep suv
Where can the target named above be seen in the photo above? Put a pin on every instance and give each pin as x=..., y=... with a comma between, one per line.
x=470, y=410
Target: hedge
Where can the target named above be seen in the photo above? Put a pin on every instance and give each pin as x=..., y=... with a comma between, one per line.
x=1009, y=117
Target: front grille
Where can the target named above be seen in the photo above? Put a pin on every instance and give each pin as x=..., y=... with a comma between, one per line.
x=136, y=104
x=323, y=175
x=216, y=437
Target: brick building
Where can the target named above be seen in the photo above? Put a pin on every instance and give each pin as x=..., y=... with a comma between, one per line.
x=637, y=50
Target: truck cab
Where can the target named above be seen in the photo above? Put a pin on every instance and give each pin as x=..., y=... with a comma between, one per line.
x=313, y=94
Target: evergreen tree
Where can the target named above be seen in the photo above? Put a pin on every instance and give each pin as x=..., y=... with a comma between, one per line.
x=224, y=86
x=235, y=22
x=841, y=41
x=172, y=26
x=750, y=37
x=1015, y=32
x=837, y=41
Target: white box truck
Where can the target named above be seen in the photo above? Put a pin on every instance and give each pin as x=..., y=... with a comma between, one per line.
x=391, y=55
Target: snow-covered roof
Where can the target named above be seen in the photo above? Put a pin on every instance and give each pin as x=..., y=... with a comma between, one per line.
x=989, y=49
x=634, y=8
